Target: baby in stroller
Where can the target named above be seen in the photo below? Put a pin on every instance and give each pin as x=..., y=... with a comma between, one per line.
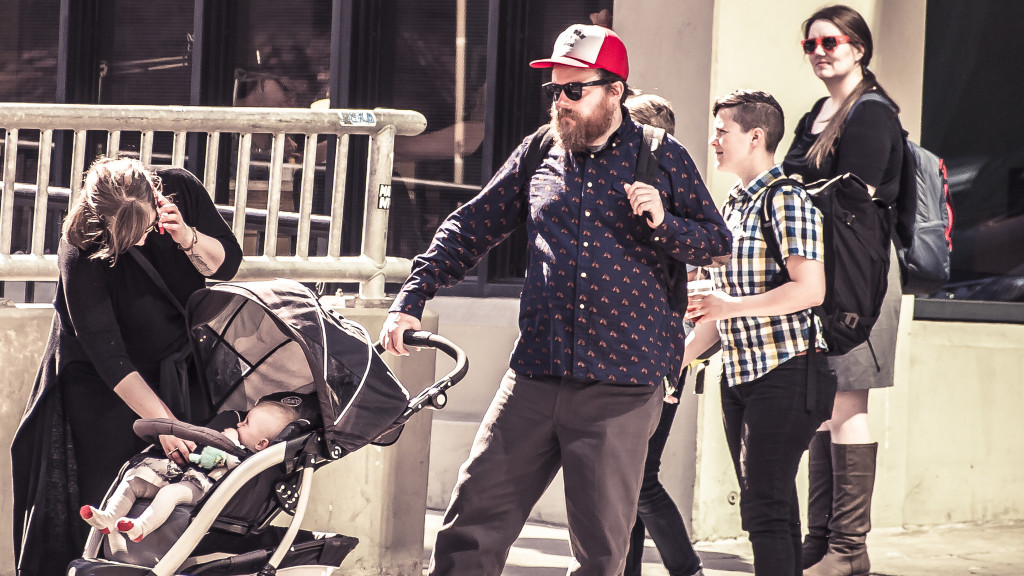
x=162, y=480
x=267, y=340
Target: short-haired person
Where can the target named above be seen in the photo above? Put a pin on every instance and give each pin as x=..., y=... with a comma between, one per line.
x=597, y=335
x=657, y=513
x=836, y=137
x=765, y=329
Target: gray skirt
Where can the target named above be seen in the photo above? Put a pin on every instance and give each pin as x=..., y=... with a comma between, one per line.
x=857, y=369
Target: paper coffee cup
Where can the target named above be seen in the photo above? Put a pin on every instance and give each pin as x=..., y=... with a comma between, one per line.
x=702, y=286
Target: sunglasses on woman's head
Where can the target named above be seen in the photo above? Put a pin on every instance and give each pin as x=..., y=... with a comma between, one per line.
x=827, y=43
x=152, y=226
x=573, y=90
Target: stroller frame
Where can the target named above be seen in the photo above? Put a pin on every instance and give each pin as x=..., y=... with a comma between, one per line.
x=302, y=454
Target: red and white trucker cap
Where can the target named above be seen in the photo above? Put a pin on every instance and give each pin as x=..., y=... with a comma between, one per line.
x=588, y=46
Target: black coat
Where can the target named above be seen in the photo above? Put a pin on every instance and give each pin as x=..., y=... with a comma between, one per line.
x=139, y=328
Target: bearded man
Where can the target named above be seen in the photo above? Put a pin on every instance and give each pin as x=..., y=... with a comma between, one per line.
x=597, y=337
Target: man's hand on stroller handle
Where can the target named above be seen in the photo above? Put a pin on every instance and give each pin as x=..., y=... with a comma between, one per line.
x=395, y=326
x=177, y=449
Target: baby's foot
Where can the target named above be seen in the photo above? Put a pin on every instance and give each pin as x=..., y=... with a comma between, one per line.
x=96, y=518
x=117, y=542
x=133, y=530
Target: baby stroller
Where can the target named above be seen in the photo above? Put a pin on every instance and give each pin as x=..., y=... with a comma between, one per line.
x=252, y=339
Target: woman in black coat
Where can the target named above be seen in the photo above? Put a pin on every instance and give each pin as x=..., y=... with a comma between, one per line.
x=137, y=243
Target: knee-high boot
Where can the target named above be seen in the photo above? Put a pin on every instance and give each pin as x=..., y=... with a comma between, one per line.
x=819, y=498
x=853, y=470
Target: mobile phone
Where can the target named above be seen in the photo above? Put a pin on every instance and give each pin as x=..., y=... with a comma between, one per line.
x=159, y=202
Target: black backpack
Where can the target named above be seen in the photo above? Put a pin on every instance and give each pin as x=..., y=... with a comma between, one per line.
x=648, y=158
x=924, y=215
x=857, y=231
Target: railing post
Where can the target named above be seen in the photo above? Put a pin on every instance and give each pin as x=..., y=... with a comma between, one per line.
x=377, y=209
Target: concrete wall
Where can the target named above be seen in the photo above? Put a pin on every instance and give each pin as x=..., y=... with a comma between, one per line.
x=23, y=333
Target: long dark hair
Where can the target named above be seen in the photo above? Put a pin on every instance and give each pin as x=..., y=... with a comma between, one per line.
x=113, y=209
x=851, y=24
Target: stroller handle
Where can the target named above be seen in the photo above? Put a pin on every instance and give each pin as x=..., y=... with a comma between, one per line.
x=434, y=395
x=425, y=338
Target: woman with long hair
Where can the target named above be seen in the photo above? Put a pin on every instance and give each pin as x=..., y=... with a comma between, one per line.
x=137, y=243
x=845, y=133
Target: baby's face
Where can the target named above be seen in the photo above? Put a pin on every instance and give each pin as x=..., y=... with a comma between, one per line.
x=252, y=430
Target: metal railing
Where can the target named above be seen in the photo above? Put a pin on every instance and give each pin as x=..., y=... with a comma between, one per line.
x=371, y=268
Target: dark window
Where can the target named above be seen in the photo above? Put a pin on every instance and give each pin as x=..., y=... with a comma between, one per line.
x=973, y=79
x=430, y=57
x=144, y=52
x=28, y=51
x=279, y=56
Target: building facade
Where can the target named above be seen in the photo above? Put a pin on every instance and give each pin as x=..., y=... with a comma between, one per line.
x=954, y=67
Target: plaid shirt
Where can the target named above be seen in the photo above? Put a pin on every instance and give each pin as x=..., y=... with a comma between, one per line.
x=754, y=345
x=594, y=304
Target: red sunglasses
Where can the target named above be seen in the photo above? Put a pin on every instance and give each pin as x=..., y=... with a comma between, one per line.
x=827, y=43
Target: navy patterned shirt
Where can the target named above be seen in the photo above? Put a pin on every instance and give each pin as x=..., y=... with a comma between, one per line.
x=594, y=304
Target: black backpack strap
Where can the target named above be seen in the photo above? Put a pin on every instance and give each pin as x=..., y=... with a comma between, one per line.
x=767, y=230
x=648, y=158
x=540, y=144
x=773, y=249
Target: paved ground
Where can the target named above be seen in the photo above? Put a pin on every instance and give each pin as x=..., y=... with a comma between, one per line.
x=950, y=550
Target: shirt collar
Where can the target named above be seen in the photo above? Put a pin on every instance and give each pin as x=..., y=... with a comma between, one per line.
x=763, y=180
x=621, y=133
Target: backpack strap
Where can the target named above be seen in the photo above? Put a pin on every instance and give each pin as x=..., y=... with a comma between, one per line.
x=648, y=157
x=905, y=214
x=648, y=160
x=768, y=231
x=773, y=249
x=540, y=143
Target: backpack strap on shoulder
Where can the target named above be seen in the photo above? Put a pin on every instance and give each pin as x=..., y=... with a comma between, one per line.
x=768, y=231
x=540, y=144
x=648, y=158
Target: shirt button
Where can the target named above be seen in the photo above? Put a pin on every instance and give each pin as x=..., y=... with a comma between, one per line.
x=656, y=238
x=585, y=244
x=590, y=184
x=583, y=274
x=586, y=212
x=582, y=306
x=591, y=155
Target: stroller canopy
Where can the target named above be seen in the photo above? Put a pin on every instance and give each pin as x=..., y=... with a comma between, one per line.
x=254, y=338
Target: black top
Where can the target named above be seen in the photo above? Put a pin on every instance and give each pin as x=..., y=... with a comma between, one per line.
x=870, y=146
x=116, y=318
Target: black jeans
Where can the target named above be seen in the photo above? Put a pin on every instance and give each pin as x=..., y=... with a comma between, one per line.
x=768, y=427
x=659, y=514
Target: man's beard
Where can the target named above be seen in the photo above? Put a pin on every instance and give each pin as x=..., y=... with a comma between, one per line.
x=576, y=131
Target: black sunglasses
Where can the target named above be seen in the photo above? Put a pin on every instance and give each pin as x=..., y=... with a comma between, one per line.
x=573, y=90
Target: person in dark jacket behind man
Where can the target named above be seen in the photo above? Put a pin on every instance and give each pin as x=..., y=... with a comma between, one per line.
x=137, y=243
x=597, y=336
